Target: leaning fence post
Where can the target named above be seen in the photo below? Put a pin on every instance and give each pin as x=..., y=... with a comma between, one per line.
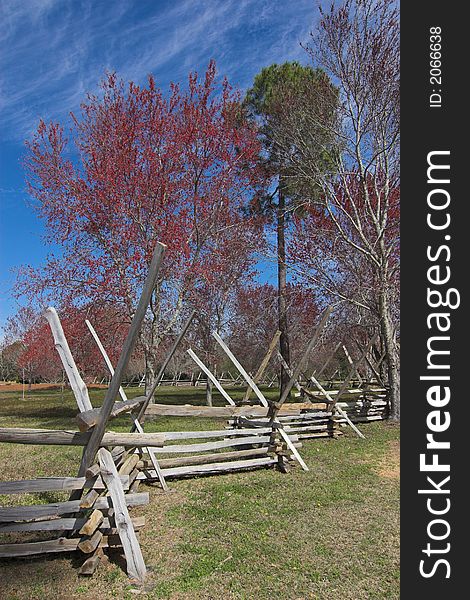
x=327, y=361
x=351, y=362
x=337, y=408
x=371, y=365
x=275, y=424
x=263, y=365
x=210, y=376
x=182, y=333
x=136, y=422
x=113, y=389
x=240, y=368
x=352, y=370
x=76, y=382
x=277, y=405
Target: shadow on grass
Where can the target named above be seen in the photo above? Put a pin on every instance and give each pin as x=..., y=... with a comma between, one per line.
x=30, y=412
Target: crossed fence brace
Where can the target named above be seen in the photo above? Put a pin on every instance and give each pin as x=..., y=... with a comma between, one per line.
x=86, y=536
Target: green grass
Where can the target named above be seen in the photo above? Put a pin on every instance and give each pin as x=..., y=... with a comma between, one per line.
x=329, y=533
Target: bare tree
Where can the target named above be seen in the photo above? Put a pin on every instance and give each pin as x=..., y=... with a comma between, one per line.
x=355, y=216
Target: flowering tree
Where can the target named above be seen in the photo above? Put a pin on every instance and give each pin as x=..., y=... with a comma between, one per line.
x=177, y=169
x=37, y=356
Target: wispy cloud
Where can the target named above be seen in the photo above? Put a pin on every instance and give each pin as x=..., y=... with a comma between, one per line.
x=53, y=51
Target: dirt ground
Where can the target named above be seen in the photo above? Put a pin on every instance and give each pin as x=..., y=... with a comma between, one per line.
x=12, y=386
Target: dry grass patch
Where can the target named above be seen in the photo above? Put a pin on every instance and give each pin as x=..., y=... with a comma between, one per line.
x=390, y=465
x=331, y=533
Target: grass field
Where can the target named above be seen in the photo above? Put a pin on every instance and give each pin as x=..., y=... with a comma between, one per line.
x=331, y=533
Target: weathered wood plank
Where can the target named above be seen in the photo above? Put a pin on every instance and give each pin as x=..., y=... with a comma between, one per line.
x=18, y=435
x=351, y=394
x=319, y=434
x=51, y=546
x=307, y=416
x=89, y=544
x=188, y=435
x=225, y=412
x=128, y=465
x=92, y=471
x=135, y=561
x=137, y=522
x=92, y=523
x=88, y=419
x=307, y=422
x=201, y=459
x=237, y=465
x=365, y=419
x=43, y=511
x=304, y=428
x=63, y=524
x=207, y=446
x=91, y=563
x=89, y=499
x=53, y=484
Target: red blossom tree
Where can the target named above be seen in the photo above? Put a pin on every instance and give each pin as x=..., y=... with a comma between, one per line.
x=36, y=358
x=177, y=169
x=37, y=355
x=39, y=358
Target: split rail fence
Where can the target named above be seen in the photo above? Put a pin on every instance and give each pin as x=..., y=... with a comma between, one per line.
x=256, y=435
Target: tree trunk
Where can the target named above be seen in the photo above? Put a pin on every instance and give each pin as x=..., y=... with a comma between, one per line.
x=391, y=355
x=150, y=371
x=377, y=354
x=282, y=287
x=209, y=392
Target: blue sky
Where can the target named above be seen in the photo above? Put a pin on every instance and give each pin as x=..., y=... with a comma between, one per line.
x=53, y=51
